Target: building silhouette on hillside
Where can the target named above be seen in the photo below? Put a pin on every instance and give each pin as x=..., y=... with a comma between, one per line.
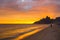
x=48, y=20
x=57, y=20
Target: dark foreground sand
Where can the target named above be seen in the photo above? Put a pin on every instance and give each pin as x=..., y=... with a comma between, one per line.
x=46, y=34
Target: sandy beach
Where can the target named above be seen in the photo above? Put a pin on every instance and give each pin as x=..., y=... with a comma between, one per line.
x=50, y=33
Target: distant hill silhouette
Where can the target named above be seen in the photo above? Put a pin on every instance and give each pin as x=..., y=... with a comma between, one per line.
x=57, y=20
x=48, y=20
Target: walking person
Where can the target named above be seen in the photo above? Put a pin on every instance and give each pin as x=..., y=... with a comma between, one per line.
x=51, y=25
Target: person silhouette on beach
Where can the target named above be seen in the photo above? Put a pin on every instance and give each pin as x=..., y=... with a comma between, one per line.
x=51, y=25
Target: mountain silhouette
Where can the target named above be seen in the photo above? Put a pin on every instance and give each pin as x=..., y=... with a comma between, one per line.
x=48, y=20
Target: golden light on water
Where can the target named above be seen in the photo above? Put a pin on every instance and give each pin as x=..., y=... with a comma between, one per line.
x=18, y=32
x=11, y=31
x=38, y=29
x=27, y=34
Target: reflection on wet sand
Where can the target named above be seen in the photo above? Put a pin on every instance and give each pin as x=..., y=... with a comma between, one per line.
x=18, y=32
x=29, y=33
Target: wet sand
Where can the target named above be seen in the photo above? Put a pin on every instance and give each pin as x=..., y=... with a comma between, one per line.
x=50, y=33
x=39, y=33
x=17, y=32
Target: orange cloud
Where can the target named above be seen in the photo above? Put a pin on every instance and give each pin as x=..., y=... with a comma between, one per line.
x=10, y=16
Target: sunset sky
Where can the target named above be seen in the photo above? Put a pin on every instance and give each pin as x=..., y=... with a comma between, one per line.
x=27, y=11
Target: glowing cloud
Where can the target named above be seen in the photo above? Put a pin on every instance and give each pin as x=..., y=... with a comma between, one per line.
x=28, y=11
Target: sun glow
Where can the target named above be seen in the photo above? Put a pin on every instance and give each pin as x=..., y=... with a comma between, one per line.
x=23, y=0
x=25, y=12
x=17, y=17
